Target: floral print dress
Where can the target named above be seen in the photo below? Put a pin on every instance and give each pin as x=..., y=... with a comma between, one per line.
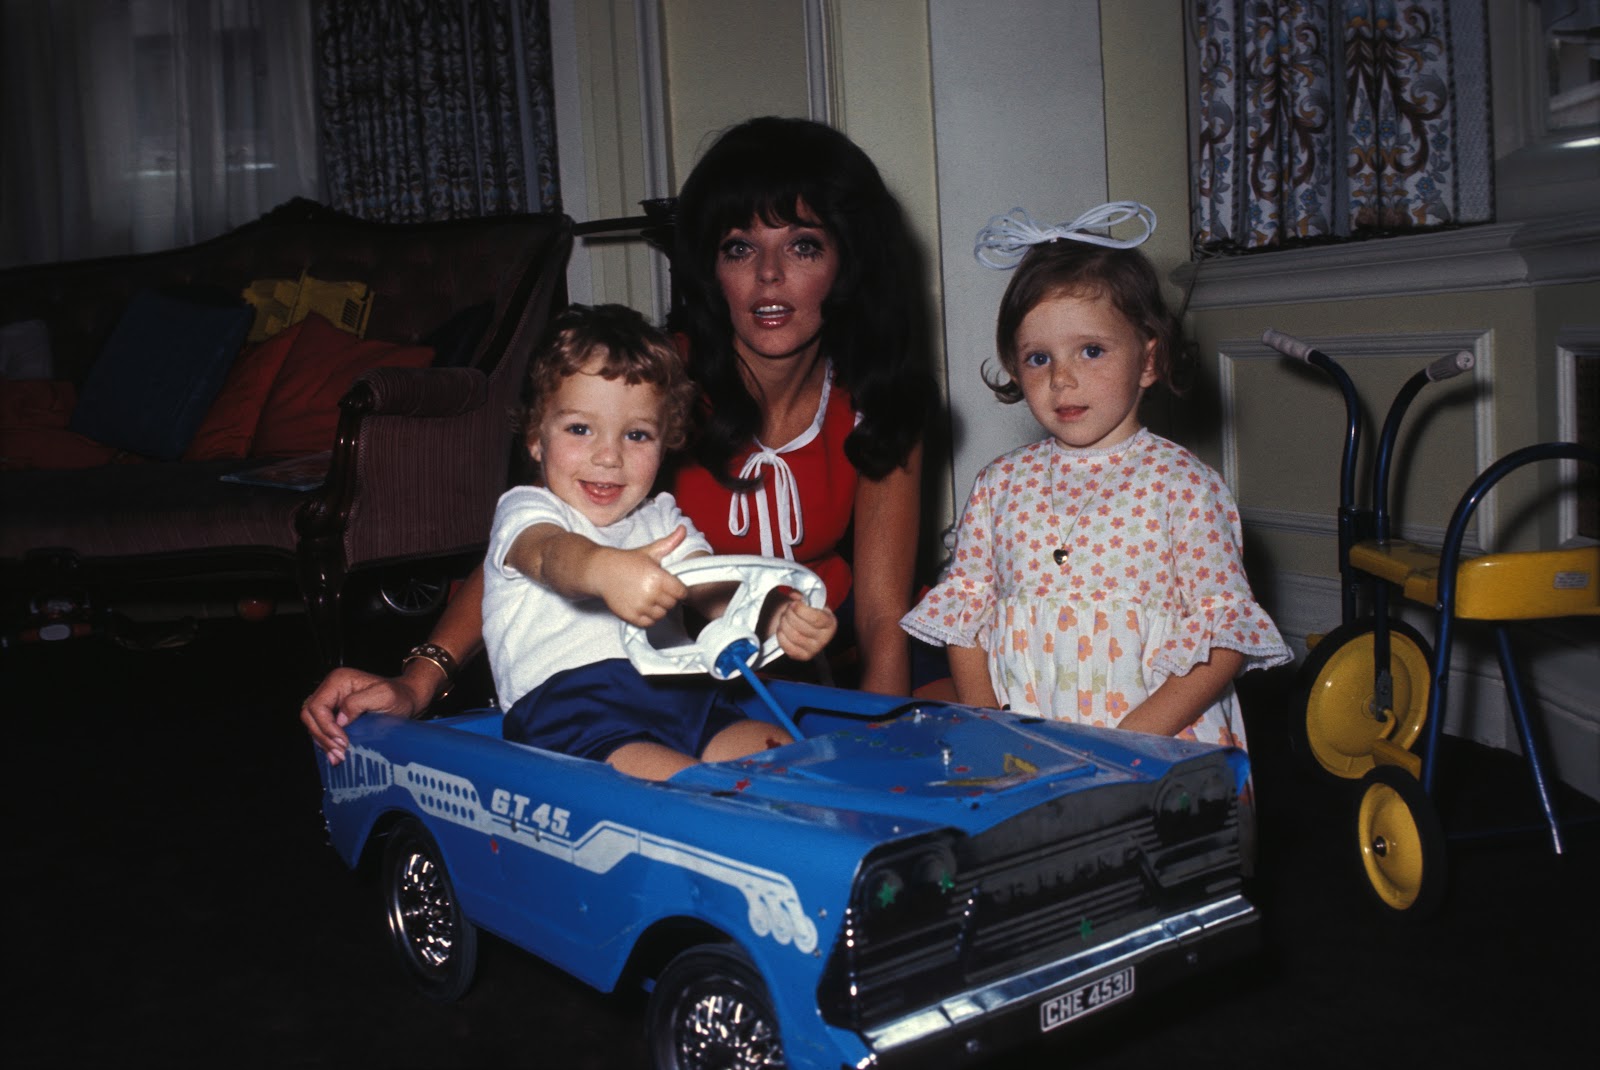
x=1091, y=576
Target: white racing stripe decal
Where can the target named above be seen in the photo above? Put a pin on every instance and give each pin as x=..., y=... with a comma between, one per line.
x=774, y=904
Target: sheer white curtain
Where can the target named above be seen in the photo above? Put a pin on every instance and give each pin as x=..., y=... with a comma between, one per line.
x=137, y=125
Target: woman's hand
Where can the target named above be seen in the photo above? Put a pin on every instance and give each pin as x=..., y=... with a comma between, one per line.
x=802, y=629
x=346, y=694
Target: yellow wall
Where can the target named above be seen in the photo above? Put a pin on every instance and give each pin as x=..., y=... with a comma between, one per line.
x=1147, y=156
x=728, y=60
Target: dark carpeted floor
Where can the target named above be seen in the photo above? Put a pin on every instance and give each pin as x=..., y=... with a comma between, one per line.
x=174, y=903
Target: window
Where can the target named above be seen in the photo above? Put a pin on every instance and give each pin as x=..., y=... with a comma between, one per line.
x=1572, y=63
x=153, y=123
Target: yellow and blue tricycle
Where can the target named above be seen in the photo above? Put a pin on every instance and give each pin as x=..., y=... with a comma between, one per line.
x=1373, y=693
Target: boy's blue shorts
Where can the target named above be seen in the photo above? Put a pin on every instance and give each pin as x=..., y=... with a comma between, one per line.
x=592, y=710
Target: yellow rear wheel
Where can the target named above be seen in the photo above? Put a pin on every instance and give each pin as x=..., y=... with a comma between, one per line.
x=1401, y=843
x=1337, y=724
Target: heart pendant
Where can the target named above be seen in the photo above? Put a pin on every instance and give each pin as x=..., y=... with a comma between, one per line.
x=1060, y=555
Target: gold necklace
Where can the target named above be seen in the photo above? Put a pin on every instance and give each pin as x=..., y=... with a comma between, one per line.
x=1062, y=551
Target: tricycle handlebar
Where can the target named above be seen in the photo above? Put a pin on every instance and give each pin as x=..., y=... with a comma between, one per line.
x=1443, y=368
x=1287, y=344
x=1451, y=366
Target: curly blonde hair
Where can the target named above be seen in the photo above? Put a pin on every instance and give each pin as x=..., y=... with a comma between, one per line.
x=628, y=347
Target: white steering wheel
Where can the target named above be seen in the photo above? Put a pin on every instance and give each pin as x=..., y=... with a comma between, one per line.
x=757, y=577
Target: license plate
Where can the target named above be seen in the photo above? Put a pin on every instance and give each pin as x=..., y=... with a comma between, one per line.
x=1057, y=1011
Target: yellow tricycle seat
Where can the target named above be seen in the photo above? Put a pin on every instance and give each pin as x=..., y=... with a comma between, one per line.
x=1527, y=585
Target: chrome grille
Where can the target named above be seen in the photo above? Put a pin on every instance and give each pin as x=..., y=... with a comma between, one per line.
x=1063, y=877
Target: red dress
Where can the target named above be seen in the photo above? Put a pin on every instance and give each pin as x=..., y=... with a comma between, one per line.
x=803, y=506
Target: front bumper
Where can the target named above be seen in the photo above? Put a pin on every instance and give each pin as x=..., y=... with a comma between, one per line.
x=1006, y=1012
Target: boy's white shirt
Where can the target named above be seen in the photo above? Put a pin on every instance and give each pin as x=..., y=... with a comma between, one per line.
x=529, y=631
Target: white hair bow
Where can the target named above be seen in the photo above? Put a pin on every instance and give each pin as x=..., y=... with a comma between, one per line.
x=1007, y=238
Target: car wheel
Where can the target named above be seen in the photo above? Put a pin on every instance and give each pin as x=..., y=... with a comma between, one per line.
x=709, y=1010
x=414, y=595
x=1332, y=725
x=1401, y=843
x=437, y=945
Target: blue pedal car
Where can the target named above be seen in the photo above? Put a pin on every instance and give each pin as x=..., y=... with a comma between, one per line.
x=909, y=881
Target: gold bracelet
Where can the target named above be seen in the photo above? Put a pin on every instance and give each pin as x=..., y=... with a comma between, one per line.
x=442, y=659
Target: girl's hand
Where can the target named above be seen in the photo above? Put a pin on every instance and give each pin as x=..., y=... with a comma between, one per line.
x=802, y=629
x=1181, y=700
x=969, y=671
x=633, y=584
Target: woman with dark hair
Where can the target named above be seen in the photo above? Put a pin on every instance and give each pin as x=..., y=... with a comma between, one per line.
x=801, y=315
x=791, y=172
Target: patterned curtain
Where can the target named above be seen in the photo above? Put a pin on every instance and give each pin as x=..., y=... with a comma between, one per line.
x=1329, y=119
x=436, y=109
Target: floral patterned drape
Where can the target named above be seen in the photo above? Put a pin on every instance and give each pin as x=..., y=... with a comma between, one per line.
x=436, y=109
x=1323, y=119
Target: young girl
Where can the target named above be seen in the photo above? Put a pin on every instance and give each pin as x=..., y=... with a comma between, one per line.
x=608, y=395
x=1097, y=574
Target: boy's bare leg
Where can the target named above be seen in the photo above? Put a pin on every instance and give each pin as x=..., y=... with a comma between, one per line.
x=742, y=738
x=650, y=761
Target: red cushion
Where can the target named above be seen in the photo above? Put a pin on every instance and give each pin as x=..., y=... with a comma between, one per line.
x=33, y=427
x=230, y=423
x=302, y=412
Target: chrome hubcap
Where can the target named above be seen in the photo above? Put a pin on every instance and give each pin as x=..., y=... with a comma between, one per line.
x=424, y=911
x=721, y=1030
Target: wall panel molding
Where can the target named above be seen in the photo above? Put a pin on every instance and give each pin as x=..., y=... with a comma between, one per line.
x=1494, y=256
x=1572, y=344
x=1295, y=522
x=822, y=77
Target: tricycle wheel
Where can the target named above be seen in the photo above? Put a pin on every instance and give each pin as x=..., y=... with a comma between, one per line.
x=437, y=945
x=710, y=1011
x=1401, y=842
x=1334, y=724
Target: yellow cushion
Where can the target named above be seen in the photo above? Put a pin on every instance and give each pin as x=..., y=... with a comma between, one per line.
x=280, y=303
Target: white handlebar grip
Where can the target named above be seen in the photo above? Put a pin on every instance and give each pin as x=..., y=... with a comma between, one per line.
x=1287, y=344
x=1451, y=366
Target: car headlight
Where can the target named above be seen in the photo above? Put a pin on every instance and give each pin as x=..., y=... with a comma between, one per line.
x=906, y=888
x=1191, y=803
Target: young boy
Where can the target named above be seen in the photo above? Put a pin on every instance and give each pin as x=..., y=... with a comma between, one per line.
x=608, y=396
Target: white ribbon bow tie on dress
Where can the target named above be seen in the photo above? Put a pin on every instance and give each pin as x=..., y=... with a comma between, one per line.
x=1007, y=238
x=787, y=493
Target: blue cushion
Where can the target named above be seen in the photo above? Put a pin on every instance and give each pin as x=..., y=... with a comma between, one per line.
x=158, y=374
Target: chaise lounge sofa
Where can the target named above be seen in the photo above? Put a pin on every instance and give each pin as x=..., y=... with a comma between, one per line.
x=417, y=448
